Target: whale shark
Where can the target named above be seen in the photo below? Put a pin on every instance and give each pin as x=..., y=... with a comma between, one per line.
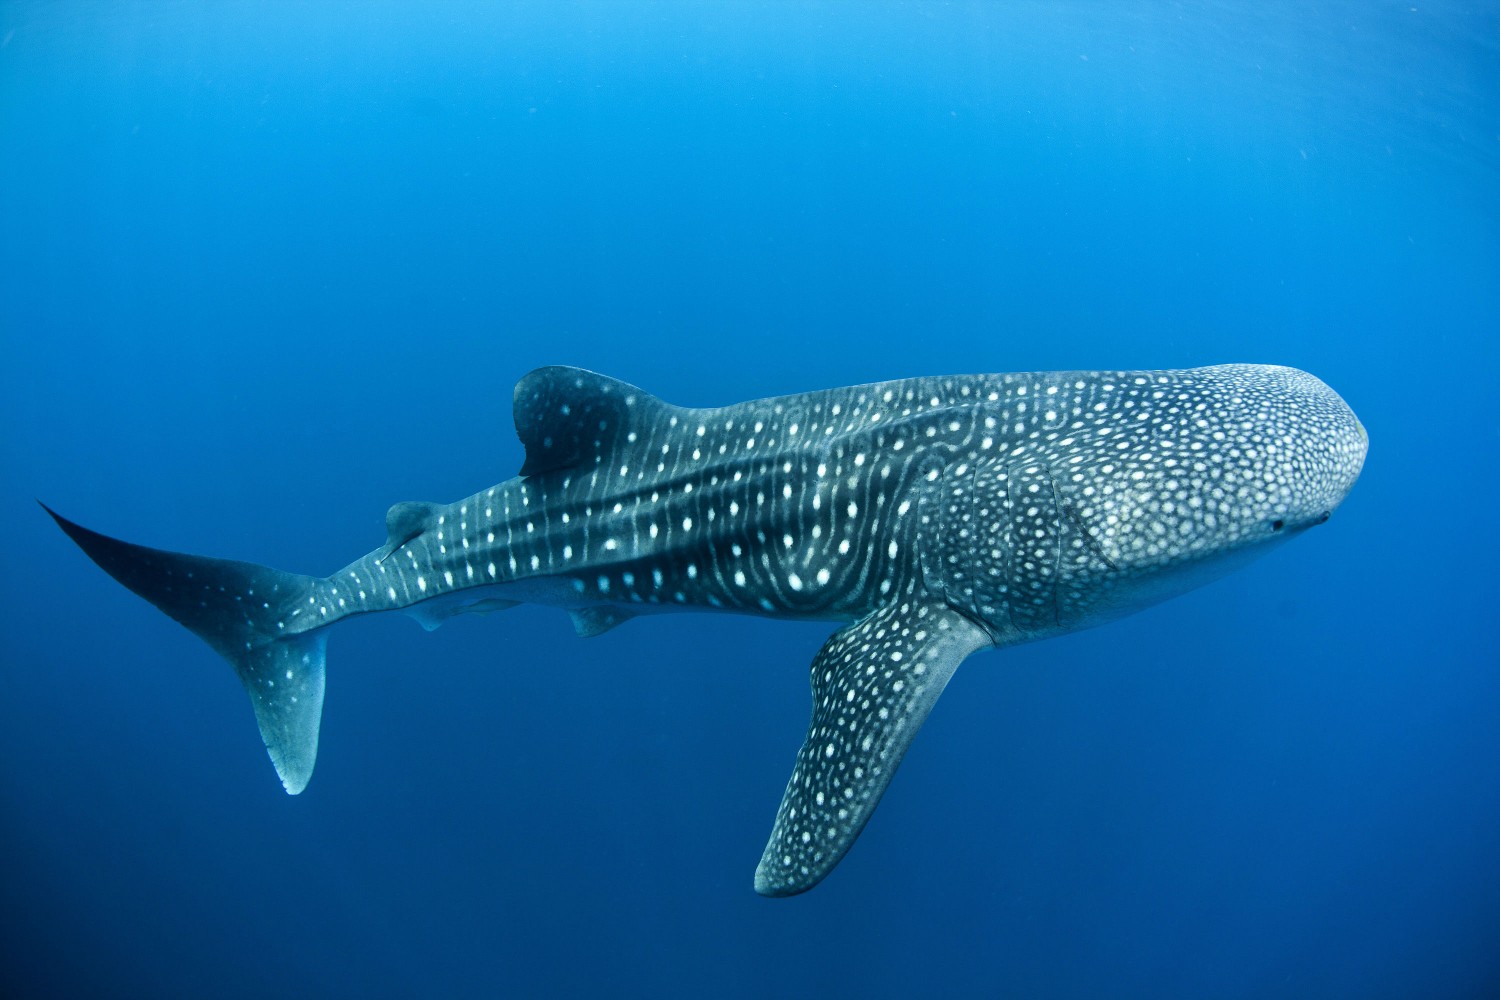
x=931, y=518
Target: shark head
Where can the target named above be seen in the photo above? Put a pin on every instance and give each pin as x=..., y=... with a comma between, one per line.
x=1192, y=475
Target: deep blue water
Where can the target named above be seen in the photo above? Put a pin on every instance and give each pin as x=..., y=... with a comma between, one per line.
x=266, y=269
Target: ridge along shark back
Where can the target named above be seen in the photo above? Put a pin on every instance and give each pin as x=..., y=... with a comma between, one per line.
x=931, y=517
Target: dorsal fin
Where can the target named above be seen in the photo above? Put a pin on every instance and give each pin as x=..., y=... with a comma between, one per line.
x=569, y=416
x=405, y=521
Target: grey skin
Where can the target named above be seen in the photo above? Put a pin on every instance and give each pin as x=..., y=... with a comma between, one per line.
x=931, y=517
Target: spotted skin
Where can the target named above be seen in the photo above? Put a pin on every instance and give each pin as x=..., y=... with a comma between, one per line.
x=931, y=517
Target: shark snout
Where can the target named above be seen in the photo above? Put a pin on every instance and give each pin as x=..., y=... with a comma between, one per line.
x=1320, y=445
x=1339, y=443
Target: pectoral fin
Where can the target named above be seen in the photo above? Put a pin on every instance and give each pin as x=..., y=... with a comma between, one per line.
x=873, y=684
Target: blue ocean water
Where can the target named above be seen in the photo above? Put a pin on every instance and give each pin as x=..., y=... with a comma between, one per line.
x=266, y=268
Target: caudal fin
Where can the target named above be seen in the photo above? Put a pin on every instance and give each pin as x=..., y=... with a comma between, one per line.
x=242, y=610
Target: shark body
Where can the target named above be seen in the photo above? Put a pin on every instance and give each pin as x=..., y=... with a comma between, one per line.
x=931, y=517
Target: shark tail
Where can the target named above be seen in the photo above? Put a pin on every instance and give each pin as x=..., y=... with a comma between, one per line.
x=246, y=613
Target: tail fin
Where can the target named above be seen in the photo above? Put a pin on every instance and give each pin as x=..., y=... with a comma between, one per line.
x=241, y=610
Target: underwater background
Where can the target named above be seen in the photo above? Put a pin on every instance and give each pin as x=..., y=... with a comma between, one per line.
x=267, y=268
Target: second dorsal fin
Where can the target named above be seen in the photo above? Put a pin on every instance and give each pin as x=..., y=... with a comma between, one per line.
x=405, y=521
x=569, y=417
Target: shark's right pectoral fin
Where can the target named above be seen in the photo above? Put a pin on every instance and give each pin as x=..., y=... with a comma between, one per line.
x=873, y=684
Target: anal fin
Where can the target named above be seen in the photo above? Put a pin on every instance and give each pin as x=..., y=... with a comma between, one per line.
x=874, y=682
x=596, y=620
x=432, y=614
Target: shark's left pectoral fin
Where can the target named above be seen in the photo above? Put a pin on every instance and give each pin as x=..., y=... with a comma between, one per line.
x=873, y=684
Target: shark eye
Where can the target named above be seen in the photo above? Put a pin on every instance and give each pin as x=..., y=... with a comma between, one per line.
x=1278, y=524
